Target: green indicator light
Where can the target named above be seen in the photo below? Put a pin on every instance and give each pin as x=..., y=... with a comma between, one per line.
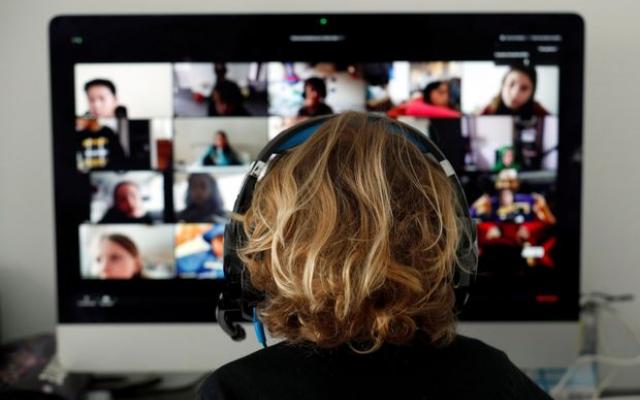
x=77, y=40
x=323, y=21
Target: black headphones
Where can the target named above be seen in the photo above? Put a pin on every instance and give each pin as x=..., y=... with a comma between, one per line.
x=241, y=297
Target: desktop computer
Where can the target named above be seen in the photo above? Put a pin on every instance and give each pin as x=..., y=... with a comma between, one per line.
x=157, y=119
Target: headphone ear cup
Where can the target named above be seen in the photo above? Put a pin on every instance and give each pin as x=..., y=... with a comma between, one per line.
x=233, y=267
x=236, y=273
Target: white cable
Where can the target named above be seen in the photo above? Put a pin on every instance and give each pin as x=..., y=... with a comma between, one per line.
x=562, y=382
x=613, y=312
x=614, y=360
x=601, y=358
x=605, y=383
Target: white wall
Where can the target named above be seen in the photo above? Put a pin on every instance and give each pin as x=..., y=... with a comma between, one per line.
x=612, y=138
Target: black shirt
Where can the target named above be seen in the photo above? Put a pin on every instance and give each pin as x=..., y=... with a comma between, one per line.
x=99, y=150
x=466, y=369
x=321, y=109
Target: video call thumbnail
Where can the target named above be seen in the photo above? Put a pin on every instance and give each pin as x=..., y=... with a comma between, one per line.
x=218, y=142
x=127, y=197
x=122, y=143
x=127, y=251
x=139, y=90
x=498, y=142
x=220, y=89
x=308, y=90
x=206, y=196
x=198, y=251
x=514, y=216
x=517, y=90
x=426, y=90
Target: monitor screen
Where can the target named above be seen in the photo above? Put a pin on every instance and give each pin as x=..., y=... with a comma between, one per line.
x=156, y=121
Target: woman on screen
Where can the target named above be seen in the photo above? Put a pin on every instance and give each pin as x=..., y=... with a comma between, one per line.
x=437, y=94
x=203, y=202
x=220, y=152
x=435, y=102
x=516, y=96
x=116, y=257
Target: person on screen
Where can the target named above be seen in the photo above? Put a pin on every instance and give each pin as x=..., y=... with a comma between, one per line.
x=203, y=200
x=220, y=71
x=127, y=207
x=314, y=93
x=116, y=257
x=437, y=94
x=99, y=146
x=102, y=99
x=220, y=152
x=199, y=249
x=507, y=204
x=227, y=100
x=511, y=218
x=517, y=94
x=435, y=102
x=505, y=159
x=352, y=236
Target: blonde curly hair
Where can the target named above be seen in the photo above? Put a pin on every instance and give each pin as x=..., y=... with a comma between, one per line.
x=352, y=236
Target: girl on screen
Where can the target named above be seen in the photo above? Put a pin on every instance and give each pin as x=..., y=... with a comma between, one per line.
x=203, y=202
x=220, y=152
x=116, y=257
x=437, y=94
x=435, y=102
x=516, y=96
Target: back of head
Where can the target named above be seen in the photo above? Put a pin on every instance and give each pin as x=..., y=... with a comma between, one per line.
x=352, y=236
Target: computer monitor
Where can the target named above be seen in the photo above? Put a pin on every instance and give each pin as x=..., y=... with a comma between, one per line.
x=156, y=120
